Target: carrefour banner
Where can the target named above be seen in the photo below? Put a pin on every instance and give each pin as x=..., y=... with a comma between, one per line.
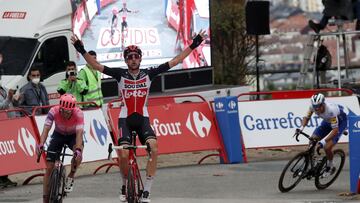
x=270, y=123
x=96, y=136
x=182, y=127
x=18, y=140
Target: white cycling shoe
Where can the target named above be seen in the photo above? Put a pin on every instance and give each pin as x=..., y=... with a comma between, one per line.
x=328, y=172
x=69, y=185
x=145, y=197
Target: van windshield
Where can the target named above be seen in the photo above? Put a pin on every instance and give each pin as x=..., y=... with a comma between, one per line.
x=16, y=54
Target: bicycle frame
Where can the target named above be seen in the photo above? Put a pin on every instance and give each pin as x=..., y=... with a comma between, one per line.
x=134, y=176
x=59, y=174
x=312, y=161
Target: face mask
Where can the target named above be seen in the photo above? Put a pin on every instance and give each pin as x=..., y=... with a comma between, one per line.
x=35, y=81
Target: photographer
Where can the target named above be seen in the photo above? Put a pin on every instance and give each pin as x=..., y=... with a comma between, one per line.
x=72, y=84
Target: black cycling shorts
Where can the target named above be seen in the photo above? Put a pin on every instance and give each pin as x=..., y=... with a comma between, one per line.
x=139, y=124
x=56, y=144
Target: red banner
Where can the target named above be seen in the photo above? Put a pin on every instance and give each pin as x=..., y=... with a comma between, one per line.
x=182, y=127
x=18, y=140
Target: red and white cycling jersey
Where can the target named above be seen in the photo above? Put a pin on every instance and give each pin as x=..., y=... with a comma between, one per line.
x=135, y=91
x=65, y=126
x=123, y=11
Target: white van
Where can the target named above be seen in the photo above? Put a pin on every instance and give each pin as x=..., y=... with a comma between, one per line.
x=35, y=32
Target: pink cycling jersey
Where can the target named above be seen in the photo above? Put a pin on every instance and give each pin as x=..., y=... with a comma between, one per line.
x=65, y=126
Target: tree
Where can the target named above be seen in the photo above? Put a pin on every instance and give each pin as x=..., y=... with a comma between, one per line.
x=232, y=48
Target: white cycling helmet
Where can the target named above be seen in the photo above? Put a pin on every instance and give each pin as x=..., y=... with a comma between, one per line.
x=317, y=100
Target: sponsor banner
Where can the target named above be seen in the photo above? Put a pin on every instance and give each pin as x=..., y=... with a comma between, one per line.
x=96, y=136
x=180, y=127
x=91, y=8
x=272, y=123
x=115, y=56
x=18, y=140
x=173, y=15
x=137, y=36
x=354, y=152
x=14, y=15
x=106, y=2
x=80, y=22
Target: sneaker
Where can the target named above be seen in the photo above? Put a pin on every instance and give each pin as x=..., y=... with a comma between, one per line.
x=122, y=196
x=314, y=26
x=6, y=182
x=69, y=185
x=145, y=197
x=10, y=183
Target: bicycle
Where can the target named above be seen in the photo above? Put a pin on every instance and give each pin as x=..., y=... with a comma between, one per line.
x=57, y=177
x=308, y=165
x=135, y=186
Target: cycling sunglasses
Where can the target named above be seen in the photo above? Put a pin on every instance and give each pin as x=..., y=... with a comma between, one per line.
x=65, y=111
x=317, y=107
x=132, y=56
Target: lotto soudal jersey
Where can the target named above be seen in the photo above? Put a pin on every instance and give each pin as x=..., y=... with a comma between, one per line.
x=134, y=90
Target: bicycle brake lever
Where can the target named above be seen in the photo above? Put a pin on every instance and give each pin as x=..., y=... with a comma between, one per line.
x=38, y=158
x=110, y=151
x=318, y=150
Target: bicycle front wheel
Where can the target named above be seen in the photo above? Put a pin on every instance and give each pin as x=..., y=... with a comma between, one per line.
x=131, y=194
x=323, y=181
x=293, y=172
x=62, y=184
x=54, y=186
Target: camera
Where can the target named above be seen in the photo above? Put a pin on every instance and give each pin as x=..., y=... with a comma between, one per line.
x=72, y=73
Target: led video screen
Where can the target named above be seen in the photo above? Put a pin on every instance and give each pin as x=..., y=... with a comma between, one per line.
x=161, y=28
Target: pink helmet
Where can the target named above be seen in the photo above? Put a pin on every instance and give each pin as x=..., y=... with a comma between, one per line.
x=67, y=101
x=115, y=10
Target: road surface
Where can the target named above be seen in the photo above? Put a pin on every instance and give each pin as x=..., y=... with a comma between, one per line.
x=214, y=183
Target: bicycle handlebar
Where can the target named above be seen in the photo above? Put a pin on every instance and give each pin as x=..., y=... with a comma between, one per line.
x=51, y=152
x=314, y=141
x=130, y=147
x=298, y=132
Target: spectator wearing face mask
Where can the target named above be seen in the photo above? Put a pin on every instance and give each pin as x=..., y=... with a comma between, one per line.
x=72, y=84
x=33, y=93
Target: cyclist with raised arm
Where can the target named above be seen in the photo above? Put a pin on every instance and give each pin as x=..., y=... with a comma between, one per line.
x=134, y=85
x=69, y=128
x=331, y=128
x=114, y=20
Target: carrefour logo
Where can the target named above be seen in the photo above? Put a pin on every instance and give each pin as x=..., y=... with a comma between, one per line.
x=198, y=124
x=100, y=135
x=357, y=124
x=219, y=106
x=356, y=128
x=26, y=141
x=289, y=121
x=232, y=105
